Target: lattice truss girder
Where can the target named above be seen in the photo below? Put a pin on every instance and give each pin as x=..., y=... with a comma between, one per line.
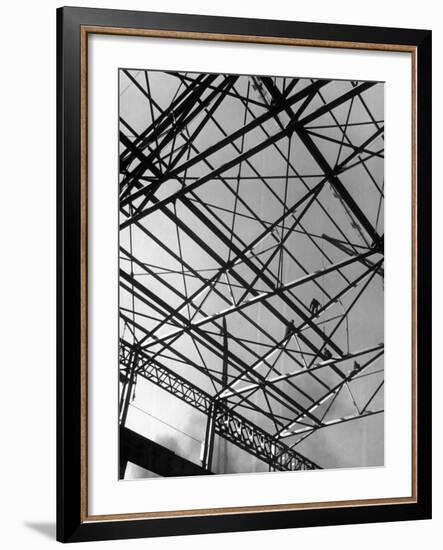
x=228, y=424
x=251, y=249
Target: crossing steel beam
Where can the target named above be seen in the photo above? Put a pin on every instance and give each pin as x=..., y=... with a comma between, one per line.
x=246, y=310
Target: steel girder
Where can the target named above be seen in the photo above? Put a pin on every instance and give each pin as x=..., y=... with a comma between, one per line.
x=205, y=318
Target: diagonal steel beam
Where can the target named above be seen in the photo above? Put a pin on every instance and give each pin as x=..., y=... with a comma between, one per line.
x=330, y=173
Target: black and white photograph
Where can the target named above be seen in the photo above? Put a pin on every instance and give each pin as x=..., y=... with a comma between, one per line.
x=217, y=295
x=251, y=268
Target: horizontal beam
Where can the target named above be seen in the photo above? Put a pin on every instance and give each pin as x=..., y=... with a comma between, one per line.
x=153, y=457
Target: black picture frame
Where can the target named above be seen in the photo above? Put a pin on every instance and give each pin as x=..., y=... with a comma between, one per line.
x=72, y=525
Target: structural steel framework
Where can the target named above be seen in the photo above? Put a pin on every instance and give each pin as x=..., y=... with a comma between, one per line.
x=251, y=255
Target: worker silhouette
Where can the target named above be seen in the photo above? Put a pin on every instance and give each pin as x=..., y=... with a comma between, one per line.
x=290, y=328
x=327, y=354
x=356, y=367
x=315, y=306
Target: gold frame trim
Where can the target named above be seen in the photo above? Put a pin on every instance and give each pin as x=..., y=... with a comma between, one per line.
x=84, y=32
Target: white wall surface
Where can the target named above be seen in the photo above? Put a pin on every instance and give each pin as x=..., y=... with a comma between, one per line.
x=27, y=277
